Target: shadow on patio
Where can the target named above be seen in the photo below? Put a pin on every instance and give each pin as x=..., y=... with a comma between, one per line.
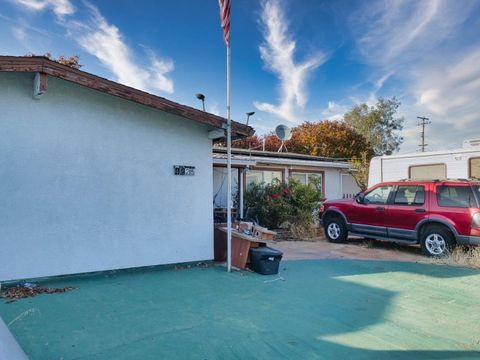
x=322, y=309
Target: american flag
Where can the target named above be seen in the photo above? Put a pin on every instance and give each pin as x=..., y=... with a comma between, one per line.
x=225, y=19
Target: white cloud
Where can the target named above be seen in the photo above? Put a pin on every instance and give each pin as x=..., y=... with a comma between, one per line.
x=213, y=108
x=334, y=111
x=59, y=7
x=451, y=90
x=106, y=43
x=277, y=53
x=421, y=45
x=395, y=33
x=19, y=33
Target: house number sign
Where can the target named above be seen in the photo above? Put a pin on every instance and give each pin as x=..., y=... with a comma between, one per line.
x=184, y=170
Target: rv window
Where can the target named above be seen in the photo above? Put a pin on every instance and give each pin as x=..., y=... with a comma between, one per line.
x=474, y=168
x=428, y=172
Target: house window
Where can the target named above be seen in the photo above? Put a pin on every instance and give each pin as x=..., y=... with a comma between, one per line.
x=309, y=179
x=428, y=172
x=474, y=168
x=262, y=176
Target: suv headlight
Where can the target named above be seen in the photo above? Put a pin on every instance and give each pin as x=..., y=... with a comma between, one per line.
x=476, y=219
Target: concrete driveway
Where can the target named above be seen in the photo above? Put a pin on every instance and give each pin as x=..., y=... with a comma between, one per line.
x=354, y=248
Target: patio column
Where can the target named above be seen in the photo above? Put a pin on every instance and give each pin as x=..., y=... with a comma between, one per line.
x=240, y=187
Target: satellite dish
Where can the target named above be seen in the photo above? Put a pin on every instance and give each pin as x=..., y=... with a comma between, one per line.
x=283, y=132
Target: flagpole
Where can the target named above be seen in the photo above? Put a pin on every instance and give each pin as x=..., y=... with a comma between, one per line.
x=229, y=168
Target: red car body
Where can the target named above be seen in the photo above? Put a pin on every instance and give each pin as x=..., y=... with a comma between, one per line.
x=405, y=211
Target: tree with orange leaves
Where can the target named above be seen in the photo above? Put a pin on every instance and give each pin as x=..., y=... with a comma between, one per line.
x=325, y=138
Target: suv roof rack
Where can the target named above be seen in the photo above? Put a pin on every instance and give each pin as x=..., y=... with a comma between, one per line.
x=440, y=180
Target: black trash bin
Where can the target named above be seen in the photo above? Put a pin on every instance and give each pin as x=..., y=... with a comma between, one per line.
x=265, y=260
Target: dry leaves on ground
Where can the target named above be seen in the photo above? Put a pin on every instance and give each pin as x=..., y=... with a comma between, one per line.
x=20, y=292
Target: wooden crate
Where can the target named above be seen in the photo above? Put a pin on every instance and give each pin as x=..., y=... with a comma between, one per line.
x=263, y=233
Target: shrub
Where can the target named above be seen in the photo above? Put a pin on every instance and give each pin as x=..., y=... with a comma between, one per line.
x=278, y=204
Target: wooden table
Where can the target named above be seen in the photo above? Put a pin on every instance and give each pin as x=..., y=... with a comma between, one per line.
x=241, y=244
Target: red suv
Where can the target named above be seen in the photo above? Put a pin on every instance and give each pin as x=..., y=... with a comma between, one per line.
x=438, y=214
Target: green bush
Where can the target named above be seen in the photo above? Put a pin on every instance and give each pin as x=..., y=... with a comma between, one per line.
x=278, y=204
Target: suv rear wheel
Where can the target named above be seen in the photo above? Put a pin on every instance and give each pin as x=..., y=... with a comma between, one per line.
x=336, y=230
x=436, y=241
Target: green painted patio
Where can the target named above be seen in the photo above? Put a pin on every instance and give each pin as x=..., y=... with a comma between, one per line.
x=318, y=309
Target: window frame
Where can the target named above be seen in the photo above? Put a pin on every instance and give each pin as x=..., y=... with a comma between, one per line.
x=416, y=191
x=419, y=165
x=261, y=168
x=470, y=166
x=470, y=205
x=389, y=197
x=306, y=172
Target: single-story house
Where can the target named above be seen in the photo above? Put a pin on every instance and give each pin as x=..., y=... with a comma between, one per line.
x=95, y=175
x=256, y=166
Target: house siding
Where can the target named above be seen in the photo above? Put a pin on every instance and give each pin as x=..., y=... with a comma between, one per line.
x=87, y=183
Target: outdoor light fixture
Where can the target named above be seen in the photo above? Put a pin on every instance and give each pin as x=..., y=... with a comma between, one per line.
x=201, y=97
x=249, y=114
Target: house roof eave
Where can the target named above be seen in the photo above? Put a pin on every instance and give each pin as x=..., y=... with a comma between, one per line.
x=33, y=64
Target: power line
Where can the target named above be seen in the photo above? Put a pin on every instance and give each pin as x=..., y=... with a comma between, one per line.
x=424, y=121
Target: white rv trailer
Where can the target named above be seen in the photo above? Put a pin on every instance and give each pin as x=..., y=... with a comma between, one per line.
x=463, y=163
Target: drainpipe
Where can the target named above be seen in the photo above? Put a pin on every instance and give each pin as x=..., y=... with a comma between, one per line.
x=39, y=85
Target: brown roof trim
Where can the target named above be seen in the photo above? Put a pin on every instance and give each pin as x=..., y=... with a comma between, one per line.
x=43, y=65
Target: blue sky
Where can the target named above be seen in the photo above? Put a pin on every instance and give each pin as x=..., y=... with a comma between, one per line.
x=291, y=60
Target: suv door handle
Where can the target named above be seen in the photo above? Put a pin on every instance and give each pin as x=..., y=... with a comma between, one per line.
x=419, y=210
x=380, y=208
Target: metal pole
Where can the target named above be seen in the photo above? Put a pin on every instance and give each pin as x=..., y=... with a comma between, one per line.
x=240, y=187
x=229, y=168
x=425, y=121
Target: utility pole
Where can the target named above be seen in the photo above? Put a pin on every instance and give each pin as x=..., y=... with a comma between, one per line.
x=424, y=121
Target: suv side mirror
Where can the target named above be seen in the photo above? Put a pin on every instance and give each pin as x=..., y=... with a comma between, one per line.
x=359, y=198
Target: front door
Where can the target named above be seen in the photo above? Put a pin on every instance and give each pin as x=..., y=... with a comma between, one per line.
x=407, y=209
x=370, y=216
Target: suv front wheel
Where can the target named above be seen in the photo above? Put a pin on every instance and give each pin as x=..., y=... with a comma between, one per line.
x=336, y=230
x=436, y=241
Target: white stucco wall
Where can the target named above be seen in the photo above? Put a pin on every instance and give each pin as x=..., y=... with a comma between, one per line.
x=349, y=186
x=333, y=184
x=87, y=183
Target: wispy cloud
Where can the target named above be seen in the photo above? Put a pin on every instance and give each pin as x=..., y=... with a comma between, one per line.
x=278, y=55
x=213, y=108
x=334, y=111
x=451, y=90
x=106, y=43
x=96, y=36
x=59, y=7
x=417, y=43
